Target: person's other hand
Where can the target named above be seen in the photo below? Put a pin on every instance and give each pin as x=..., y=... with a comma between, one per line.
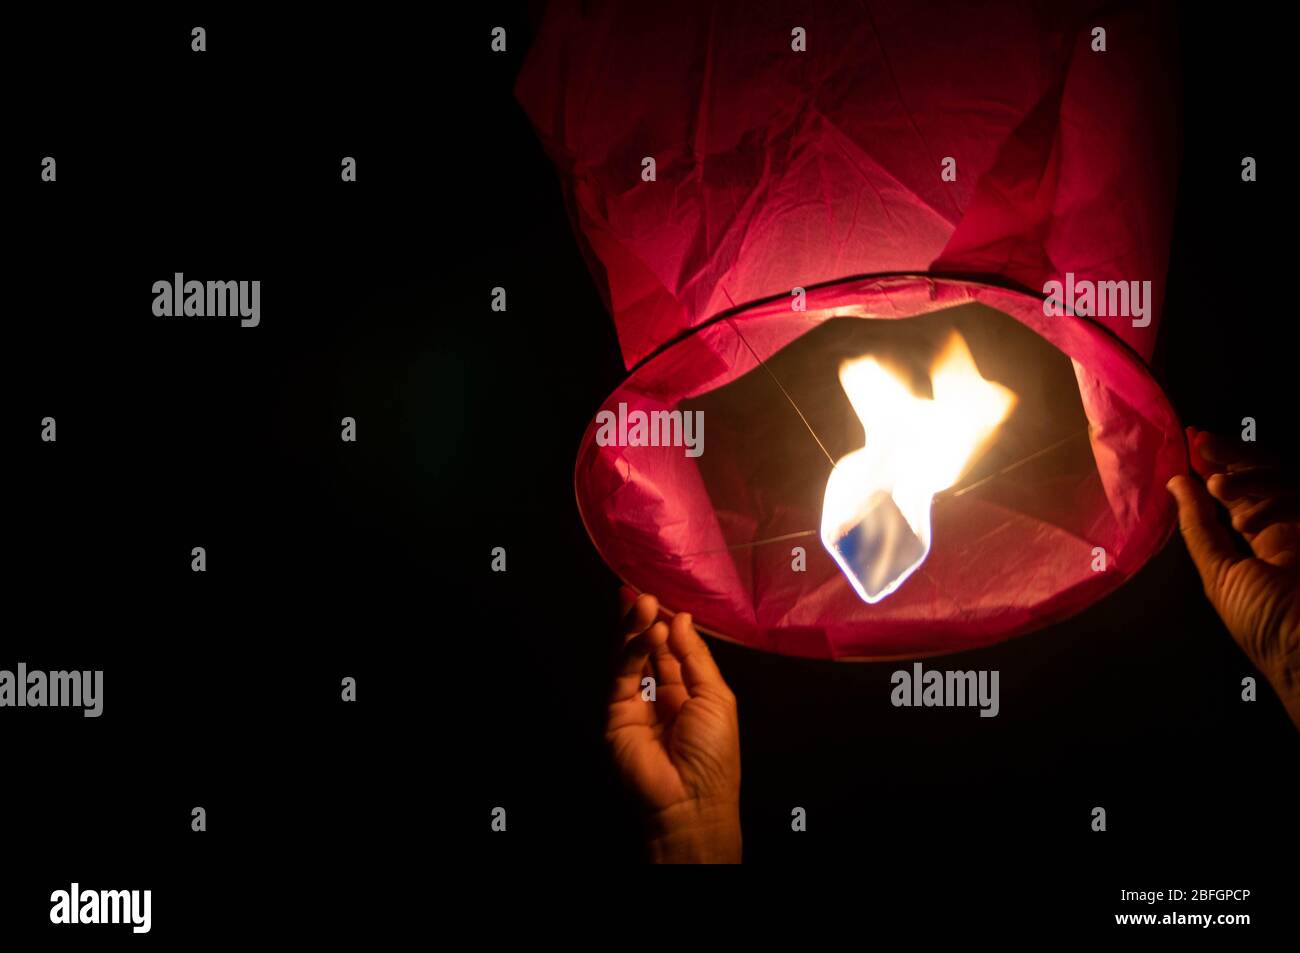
x=1257, y=596
x=680, y=752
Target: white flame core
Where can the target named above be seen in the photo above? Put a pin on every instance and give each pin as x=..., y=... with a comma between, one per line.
x=876, y=511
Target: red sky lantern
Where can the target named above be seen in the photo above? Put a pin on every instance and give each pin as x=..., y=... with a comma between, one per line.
x=853, y=426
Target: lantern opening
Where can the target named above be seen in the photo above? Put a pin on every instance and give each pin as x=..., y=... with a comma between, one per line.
x=734, y=535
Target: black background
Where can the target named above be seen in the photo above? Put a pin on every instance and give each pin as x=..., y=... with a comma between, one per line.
x=478, y=689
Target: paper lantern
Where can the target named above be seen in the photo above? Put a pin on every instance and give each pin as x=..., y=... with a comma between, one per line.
x=847, y=182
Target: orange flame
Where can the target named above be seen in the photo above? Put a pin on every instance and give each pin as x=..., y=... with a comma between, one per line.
x=876, y=511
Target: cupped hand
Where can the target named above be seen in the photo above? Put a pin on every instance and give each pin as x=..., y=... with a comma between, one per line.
x=1257, y=595
x=676, y=739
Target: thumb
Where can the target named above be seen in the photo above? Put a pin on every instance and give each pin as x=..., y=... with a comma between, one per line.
x=1207, y=541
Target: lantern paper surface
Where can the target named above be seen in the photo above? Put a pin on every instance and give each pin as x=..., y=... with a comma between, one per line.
x=820, y=170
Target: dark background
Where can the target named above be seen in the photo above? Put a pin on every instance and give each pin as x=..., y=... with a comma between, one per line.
x=478, y=689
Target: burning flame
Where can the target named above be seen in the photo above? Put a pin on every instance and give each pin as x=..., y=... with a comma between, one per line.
x=876, y=511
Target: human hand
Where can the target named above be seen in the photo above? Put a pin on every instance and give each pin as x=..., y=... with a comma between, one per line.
x=680, y=752
x=1257, y=596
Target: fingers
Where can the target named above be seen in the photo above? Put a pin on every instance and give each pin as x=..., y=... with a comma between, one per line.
x=1255, y=517
x=638, y=611
x=1212, y=453
x=679, y=655
x=699, y=671
x=1278, y=545
x=632, y=661
x=1215, y=449
x=1253, y=482
x=1201, y=453
x=667, y=669
x=641, y=637
x=1208, y=542
x=1258, y=498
